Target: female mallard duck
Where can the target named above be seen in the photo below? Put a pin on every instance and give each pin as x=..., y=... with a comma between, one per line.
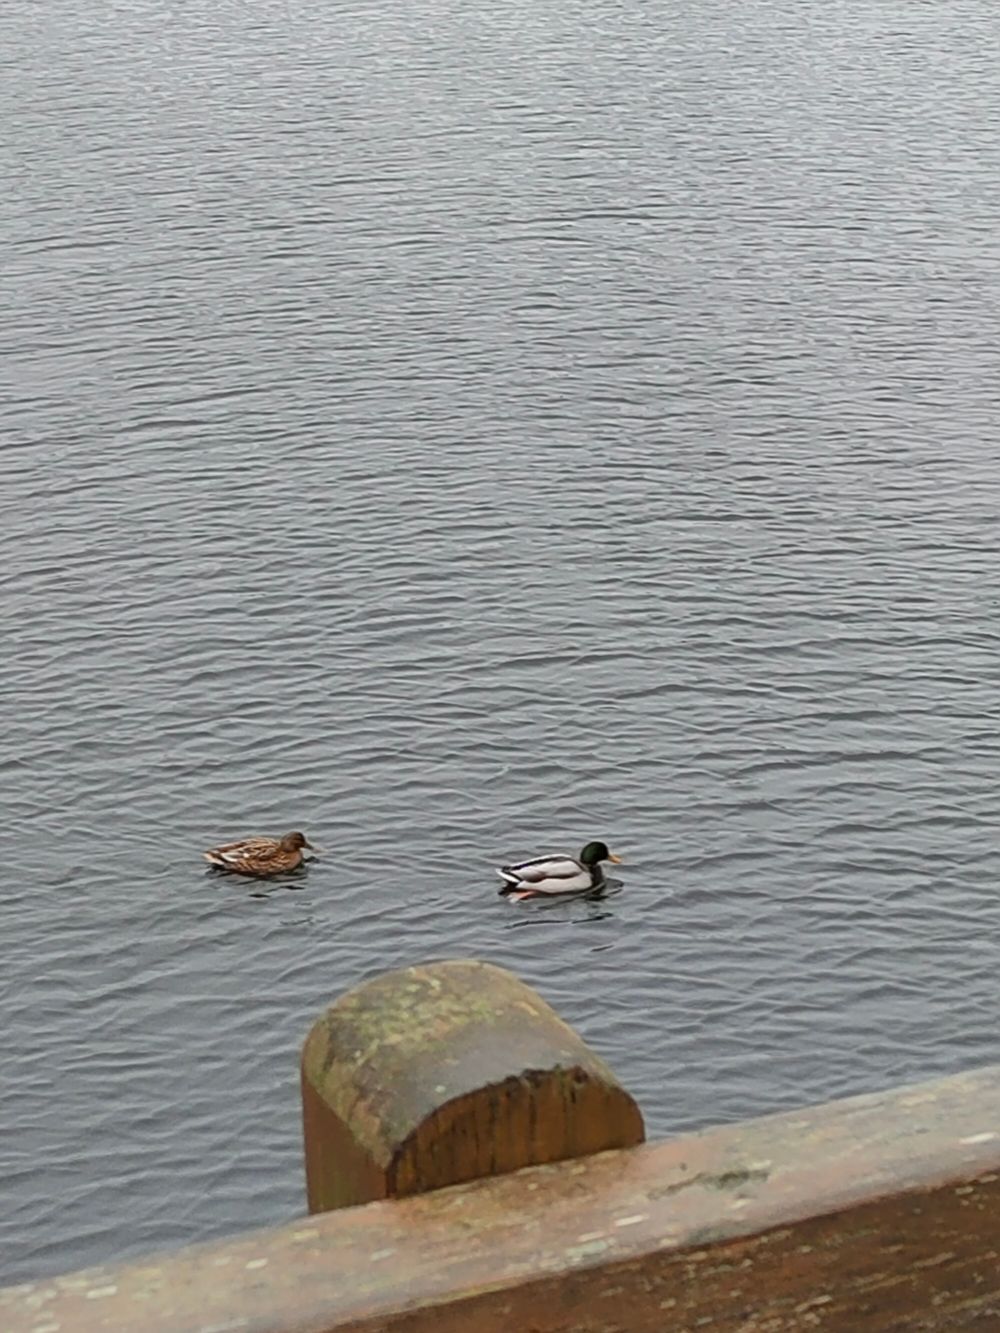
x=548, y=876
x=260, y=856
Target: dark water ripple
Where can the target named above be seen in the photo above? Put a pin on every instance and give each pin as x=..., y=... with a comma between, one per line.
x=459, y=431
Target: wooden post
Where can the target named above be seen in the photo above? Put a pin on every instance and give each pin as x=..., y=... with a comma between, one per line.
x=435, y=1075
x=880, y=1214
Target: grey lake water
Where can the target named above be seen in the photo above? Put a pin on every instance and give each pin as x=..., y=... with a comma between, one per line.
x=461, y=431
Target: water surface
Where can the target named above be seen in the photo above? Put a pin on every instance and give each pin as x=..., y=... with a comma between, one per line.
x=461, y=432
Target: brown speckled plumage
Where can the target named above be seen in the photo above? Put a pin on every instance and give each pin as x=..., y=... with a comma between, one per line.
x=260, y=856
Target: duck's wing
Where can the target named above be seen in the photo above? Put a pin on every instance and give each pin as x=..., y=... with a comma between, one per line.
x=238, y=853
x=547, y=875
x=559, y=866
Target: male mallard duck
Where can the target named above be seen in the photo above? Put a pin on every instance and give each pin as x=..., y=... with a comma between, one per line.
x=552, y=875
x=260, y=856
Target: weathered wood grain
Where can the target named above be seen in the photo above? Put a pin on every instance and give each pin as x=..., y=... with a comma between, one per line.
x=434, y=1075
x=880, y=1214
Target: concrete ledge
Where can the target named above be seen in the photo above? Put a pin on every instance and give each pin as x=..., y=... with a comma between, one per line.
x=872, y=1215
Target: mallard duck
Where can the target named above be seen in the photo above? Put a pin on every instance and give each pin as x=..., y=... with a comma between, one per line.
x=260, y=856
x=552, y=875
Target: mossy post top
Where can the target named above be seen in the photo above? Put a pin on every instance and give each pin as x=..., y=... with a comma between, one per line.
x=436, y=1074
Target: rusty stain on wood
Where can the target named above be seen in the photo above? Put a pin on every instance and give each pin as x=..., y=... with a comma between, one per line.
x=433, y=1075
x=880, y=1214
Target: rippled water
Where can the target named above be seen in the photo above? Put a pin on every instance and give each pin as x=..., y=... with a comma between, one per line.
x=463, y=431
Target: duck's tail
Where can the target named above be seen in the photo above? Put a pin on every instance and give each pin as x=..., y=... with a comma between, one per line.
x=511, y=881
